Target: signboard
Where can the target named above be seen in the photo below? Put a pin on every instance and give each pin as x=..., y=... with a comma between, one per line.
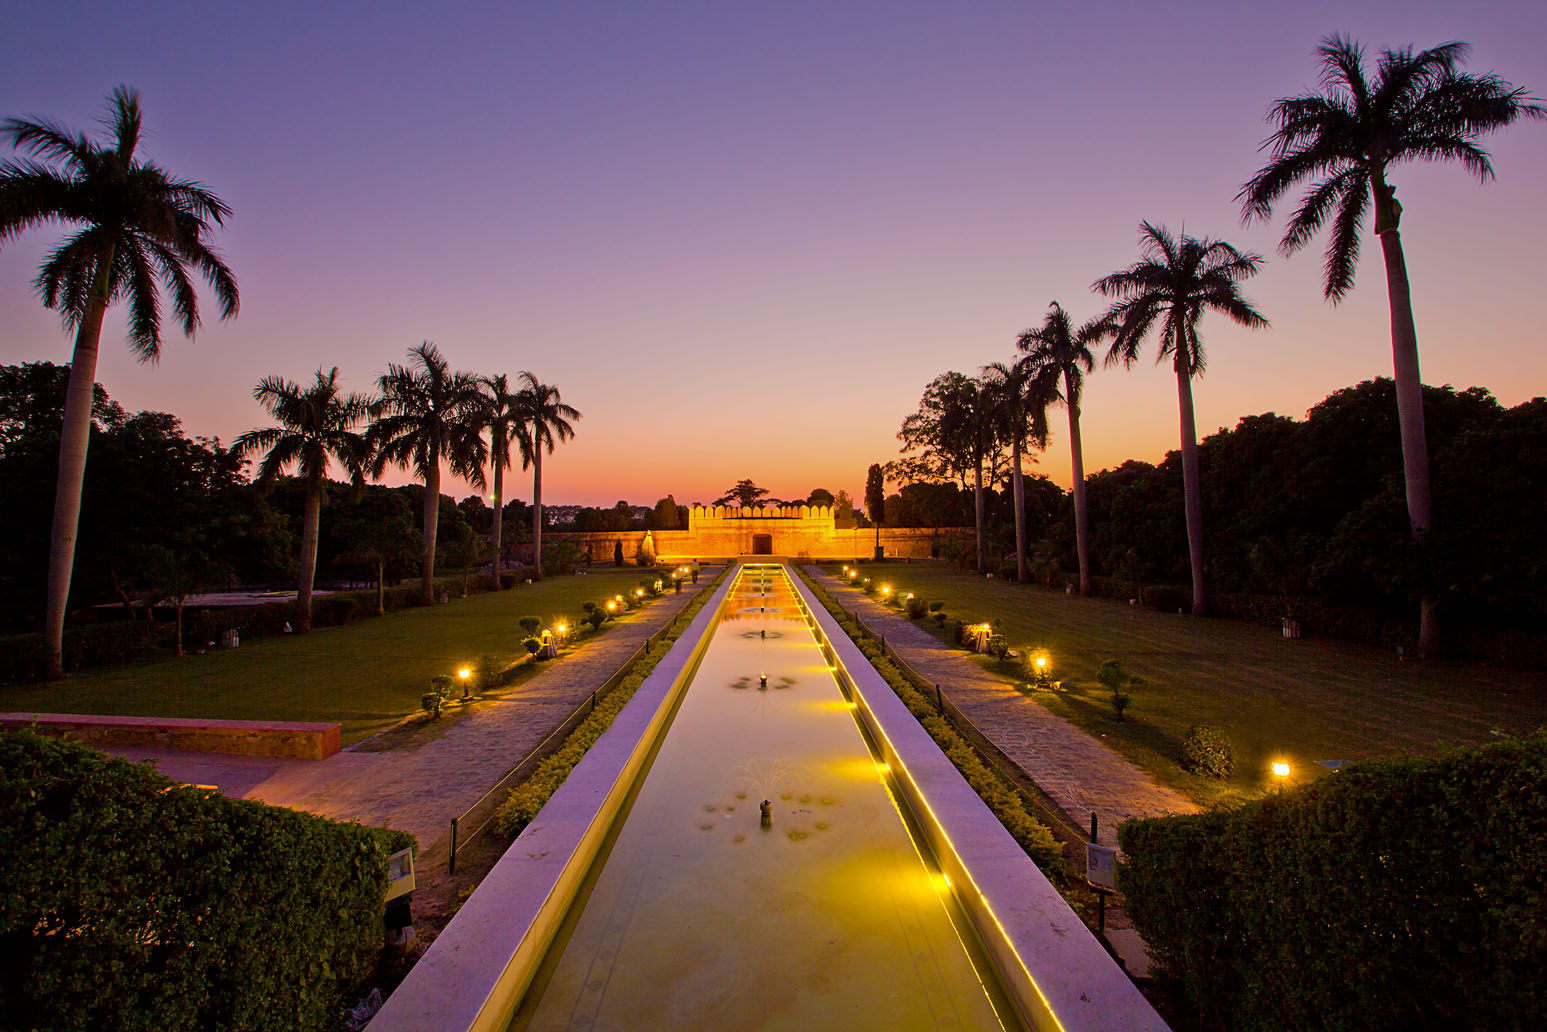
x=1101, y=866
x=400, y=873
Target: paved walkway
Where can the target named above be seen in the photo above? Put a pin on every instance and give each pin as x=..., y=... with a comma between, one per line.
x=419, y=782
x=1077, y=771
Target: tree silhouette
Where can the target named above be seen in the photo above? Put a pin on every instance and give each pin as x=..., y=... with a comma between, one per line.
x=1418, y=107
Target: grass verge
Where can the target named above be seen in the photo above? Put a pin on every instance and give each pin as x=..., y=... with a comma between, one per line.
x=1298, y=701
x=367, y=674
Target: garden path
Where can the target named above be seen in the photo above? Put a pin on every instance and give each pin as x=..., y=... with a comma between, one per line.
x=418, y=782
x=1078, y=772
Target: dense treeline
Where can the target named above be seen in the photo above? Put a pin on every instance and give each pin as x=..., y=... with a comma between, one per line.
x=1313, y=510
x=166, y=512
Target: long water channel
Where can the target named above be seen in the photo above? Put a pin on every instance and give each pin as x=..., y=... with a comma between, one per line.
x=702, y=915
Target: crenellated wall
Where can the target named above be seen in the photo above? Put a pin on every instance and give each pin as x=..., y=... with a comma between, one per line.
x=724, y=531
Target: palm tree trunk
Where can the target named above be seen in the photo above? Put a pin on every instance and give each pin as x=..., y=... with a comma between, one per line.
x=977, y=501
x=431, y=521
x=1192, y=491
x=308, y=569
x=381, y=584
x=499, y=514
x=73, y=439
x=1415, y=450
x=537, y=512
x=1019, y=491
x=1077, y=486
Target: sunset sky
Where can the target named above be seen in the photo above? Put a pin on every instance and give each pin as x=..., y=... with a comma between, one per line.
x=741, y=238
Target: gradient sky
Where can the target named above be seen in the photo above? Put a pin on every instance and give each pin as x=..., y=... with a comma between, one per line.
x=742, y=237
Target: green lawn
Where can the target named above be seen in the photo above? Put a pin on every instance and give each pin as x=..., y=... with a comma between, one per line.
x=366, y=675
x=1299, y=700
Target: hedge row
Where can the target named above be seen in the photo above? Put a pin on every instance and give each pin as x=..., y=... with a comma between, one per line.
x=132, y=902
x=1399, y=894
x=521, y=806
x=1032, y=835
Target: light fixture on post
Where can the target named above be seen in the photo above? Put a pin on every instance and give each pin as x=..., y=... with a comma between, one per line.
x=466, y=674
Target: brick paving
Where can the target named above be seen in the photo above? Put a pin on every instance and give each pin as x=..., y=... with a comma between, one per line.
x=418, y=782
x=1078, y=772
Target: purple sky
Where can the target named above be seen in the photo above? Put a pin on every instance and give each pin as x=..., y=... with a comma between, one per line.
x=741, y=238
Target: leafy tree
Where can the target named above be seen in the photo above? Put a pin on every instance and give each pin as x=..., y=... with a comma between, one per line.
x=1418, y=107
x=316, y=424
x=1173, y=284
x=667, y=515
x=819, y=496
x=875, y=500
x=376, y=530
x=1061, y=356
x=843, y=511
x=546, y=422
x=745, y=494
x=141, y=230
x=426, y=415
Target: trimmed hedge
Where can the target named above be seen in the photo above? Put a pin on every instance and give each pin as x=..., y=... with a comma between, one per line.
x=524, y=802
x=1032, y=835
x=134, y=903
x=1398, y=894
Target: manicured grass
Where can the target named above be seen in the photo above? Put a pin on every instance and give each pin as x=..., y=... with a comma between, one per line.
x=367, y=674
x=1298, y=700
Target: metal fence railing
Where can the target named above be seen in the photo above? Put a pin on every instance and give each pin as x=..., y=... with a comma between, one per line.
x=482, y=812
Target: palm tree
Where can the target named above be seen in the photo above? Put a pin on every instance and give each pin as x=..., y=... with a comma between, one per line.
x=315, y=424
x=1174, y=283
x=503, y=417
x=547, y=421
x=140, y=231
x=1020, y=409
x=428, y=415
x=1061, y=356
x=1419, y=107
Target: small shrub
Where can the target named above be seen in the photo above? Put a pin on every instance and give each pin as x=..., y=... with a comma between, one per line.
x=959, y=631
x=596, y=616
x=430, y=702
x=936, y=606
x=1206, y=751
x=529, y=624
x=917, y=608
x=939, y=617
x=489, y=672
x=999, y=647
x=532, y=646
x=588, y=608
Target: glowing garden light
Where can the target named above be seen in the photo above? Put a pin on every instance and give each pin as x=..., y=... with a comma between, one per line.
x=1280, y=769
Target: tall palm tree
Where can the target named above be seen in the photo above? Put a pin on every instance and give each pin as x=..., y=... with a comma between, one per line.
x=1061, y=356
x=1020, y=411
x=140, y=231
x=427, y=415
x=1173, y=284
x=506, y=427
x=1419, y=107
x=316, y=424
x=547, y=422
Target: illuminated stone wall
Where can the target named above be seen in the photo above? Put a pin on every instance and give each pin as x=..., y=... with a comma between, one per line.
x=725, y=531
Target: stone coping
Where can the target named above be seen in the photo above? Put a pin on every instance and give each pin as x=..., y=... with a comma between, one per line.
x=290, y=739
x=1057, y=973
x=475, y=972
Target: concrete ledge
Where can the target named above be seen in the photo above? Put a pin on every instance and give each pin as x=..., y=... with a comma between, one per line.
x=476, y=971
x=289, y=739
x=1055, y=971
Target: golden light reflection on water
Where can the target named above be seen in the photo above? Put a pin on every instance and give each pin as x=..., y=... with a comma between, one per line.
x=705, y=915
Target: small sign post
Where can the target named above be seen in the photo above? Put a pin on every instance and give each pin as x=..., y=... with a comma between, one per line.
x=1100, y=874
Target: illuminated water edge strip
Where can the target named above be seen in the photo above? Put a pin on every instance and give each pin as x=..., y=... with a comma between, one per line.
x=1054, y=970
x=473, y=975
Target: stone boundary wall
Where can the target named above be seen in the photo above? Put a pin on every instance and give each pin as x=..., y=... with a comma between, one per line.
x=294, y=739
x=728, y=531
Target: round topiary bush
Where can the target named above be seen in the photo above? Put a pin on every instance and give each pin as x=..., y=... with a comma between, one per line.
x=529, y=624
x=532, y=646
x=1206, y=752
